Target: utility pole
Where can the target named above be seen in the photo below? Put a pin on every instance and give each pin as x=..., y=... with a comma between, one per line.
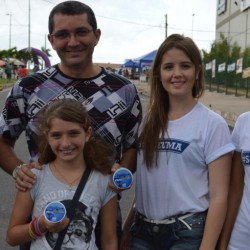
x=29, y=48
x=166, y=26
x=192, y=24
x=9, y=14
x=29, y=28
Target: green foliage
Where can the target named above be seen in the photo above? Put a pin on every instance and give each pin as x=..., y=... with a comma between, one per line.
x=14, y=53
x=46, y=51
x=223, y=51
x=235, y=52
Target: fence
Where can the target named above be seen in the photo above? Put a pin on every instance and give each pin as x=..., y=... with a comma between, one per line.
x=229, y=83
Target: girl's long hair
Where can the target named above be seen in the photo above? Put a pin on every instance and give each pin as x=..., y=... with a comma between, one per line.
x=98, y=154
x=156, y=120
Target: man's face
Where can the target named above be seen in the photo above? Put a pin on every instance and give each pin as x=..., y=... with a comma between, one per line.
x=73, y=39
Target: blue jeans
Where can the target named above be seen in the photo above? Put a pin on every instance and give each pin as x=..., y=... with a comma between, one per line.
x=174, y=236
x=25, y=246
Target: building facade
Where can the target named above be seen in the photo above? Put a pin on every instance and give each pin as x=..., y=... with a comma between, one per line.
x=233, y=21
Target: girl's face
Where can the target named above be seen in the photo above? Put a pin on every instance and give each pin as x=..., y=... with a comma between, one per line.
x=67, y=139
x=177, y=73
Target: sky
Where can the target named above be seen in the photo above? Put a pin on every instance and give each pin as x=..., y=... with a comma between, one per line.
x=130, y=28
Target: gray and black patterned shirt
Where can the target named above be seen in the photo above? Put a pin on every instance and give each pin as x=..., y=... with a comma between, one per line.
x=111, y=100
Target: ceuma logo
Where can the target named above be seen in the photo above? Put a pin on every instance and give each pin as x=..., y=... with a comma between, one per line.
x=246, y=158
x=173, y=145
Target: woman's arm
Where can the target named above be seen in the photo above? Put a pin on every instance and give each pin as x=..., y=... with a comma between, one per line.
x=219, y=175
x=234, y=200
x=18, y=229
x=108, y=225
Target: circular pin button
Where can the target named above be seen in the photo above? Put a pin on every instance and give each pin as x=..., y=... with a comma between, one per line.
x=122, y=178
x=54, y=212
x=156, y=229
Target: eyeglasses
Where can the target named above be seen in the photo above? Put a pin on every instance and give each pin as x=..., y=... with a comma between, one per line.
x=63, y=35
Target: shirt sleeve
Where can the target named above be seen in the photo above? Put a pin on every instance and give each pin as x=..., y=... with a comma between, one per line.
x=218, y=142
x=239, y=131
x=13, y=119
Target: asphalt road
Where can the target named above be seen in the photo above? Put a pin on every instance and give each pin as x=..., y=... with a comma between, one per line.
x=7, y=184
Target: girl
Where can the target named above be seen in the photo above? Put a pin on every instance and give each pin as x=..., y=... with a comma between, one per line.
x=183, y=162
x=236, y=231
x=66, y=149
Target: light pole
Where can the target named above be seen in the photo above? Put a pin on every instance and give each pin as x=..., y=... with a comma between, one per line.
x=29, y=28
x=192, y=23
x=9, y=14
x=166, y=26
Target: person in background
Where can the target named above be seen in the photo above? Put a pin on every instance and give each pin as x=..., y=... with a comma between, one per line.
x=67, y=148
x=184, y=158
x=112, y=101
x=8, y=72
x=15, y=71
x=22, y=71
x=236, y=230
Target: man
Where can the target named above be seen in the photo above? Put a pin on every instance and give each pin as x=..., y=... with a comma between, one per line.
x=112, y=101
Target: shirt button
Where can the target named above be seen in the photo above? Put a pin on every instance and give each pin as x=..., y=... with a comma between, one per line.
x=155, y=229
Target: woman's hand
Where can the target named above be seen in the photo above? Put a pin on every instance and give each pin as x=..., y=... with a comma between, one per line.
x=115, y=167
x=126, y=241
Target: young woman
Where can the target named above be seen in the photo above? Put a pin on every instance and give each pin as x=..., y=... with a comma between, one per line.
x=67, y=149
x=236, y=231
x=184, y=158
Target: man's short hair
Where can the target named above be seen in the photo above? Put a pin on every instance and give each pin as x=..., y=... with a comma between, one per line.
x=72, y=8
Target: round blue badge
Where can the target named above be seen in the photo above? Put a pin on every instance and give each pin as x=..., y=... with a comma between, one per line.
x=54, y=212
x=122, y=178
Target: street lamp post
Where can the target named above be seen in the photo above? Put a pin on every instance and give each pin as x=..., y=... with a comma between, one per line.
x=192, y=23
x=29, y=28
x=166, y=26
x=9, y=14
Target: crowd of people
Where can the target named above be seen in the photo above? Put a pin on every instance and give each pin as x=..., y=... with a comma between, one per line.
x=12, y=72
x=192, y=176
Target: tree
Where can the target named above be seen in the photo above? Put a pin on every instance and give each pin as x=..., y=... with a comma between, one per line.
x=46, y=51
x=219, y=50
x=14, y=53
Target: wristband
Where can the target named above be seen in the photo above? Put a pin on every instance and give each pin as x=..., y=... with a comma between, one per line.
x=17, y=168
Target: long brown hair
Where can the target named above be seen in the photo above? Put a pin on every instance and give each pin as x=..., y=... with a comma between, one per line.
x=156, y=119
x=98, y=154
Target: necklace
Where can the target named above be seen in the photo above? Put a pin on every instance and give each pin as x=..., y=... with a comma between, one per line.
x=70, y=184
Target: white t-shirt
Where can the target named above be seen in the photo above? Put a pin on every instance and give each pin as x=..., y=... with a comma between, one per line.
x=241, y=139
x=180, y=182
x=80, y=234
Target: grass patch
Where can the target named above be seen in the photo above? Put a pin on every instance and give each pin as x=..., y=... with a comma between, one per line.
x=4, y=83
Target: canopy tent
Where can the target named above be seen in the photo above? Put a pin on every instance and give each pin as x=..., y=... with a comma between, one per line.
x=2, y=63
x=130, y=64
x=146, y=60
x=13, y=61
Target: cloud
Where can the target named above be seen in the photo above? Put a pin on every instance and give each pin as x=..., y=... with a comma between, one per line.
x=129, y=28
